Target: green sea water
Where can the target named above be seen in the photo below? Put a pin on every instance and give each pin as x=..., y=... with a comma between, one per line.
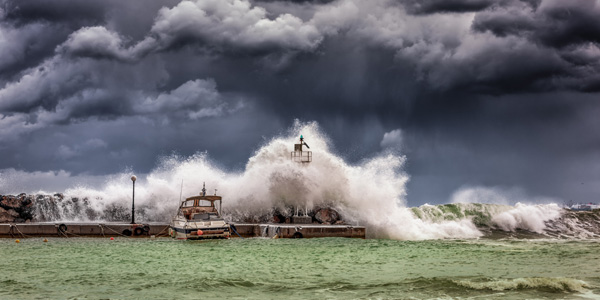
x=331, y=268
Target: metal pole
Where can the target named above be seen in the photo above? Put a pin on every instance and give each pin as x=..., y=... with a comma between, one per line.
x=133, y=178
x=133, y=205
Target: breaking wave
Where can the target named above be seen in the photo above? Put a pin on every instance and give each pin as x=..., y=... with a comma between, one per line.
x=371, y=193
x=533, y=283
x=524, y=220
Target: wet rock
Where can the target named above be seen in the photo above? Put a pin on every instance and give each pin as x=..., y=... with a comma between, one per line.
x=278, y=219
x=10, y=202
x=5, y=216
x=326, y=216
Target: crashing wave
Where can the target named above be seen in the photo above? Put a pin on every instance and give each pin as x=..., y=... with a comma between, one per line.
x=371, y=193
x=545, y=220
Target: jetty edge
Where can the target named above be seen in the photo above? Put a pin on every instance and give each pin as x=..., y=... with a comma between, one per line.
x=109, y=229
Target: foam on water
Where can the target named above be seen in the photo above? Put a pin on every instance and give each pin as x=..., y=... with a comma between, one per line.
x=528, y=217
x=536, y=283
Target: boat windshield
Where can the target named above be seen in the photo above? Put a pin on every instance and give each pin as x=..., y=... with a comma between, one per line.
x=188, y=203
x=207, y=217
x=204, y=203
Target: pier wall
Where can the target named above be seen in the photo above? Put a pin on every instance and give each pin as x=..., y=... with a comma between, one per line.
x=81, y=229
x=25, y=230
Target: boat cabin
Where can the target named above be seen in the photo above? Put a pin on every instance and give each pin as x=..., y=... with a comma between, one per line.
x=201, y=208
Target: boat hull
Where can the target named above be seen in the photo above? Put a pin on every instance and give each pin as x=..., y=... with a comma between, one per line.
x=200, y=232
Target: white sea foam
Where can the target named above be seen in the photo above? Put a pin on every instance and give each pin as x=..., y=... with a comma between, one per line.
x=559, y=284
x=527, y=217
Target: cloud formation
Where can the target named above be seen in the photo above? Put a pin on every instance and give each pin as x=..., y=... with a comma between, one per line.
x=468, y=86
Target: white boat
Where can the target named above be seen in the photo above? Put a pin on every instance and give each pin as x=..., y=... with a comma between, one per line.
x=198, y=218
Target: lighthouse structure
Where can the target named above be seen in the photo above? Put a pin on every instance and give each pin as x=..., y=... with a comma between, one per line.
x=299, y=155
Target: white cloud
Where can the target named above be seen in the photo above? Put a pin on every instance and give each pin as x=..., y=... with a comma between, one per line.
x=97, y=42
x=194, y=99
x=233, y=23
x=392, y=139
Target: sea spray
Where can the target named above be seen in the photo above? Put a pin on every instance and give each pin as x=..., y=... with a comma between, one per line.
x=527, y=217
x=371, y=193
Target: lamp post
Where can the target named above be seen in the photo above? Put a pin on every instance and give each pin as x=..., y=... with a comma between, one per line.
x=133, y=178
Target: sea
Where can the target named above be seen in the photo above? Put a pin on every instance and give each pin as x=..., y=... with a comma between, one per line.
x=326, y=268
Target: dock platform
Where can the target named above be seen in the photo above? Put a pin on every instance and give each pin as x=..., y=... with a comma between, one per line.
x=246, y=230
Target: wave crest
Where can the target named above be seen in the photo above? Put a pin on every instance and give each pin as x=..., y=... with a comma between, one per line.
x=558, y=284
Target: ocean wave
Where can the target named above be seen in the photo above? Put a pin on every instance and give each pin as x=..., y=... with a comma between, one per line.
x=528, y=220
x=547, y=284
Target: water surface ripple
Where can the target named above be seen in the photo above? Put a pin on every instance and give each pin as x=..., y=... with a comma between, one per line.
x=333, y=268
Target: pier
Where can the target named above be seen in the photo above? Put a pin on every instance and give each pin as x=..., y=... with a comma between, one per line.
x=245, y=230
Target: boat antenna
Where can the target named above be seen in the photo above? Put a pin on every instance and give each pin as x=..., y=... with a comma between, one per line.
x=204, y=189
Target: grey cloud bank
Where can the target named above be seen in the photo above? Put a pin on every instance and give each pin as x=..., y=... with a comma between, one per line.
x=474, y=92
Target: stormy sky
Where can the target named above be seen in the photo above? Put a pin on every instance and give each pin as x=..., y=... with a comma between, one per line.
x=496, y=93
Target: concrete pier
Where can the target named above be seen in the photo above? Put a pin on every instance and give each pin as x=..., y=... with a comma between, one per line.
x=82, y=229
x=299, y=230
x=246, y=230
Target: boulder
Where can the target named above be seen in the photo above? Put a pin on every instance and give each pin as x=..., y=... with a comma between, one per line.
x=6, y=216
x=326, y=216
x=10, y=202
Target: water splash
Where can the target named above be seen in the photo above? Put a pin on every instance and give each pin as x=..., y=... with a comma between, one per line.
x=371, y=193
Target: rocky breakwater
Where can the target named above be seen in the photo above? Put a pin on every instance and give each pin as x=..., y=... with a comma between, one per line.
x=16, y=209
x=25, y=208
x=319, y=215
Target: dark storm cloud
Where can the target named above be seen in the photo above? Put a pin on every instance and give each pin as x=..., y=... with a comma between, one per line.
x=69, y=12
x=442, y=6
x=553, y=23
x=93, y=86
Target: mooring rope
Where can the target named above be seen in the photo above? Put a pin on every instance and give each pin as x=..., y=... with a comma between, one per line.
x=233, y=227
x=22, y=234
x=102, y=229
x=61, y=232
x=77, y=235
x=115, y=231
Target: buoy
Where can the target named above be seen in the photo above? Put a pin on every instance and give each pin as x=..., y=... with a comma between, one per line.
x=112, y=238
x=17, y=241
x=199, y=232
x=45, y=240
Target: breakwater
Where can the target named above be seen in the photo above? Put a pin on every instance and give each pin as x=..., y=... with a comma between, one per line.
x=28, y=230
x=485, y=220
x=17, y=208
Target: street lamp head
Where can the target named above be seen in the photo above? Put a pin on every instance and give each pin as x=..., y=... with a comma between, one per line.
x=133, y=178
